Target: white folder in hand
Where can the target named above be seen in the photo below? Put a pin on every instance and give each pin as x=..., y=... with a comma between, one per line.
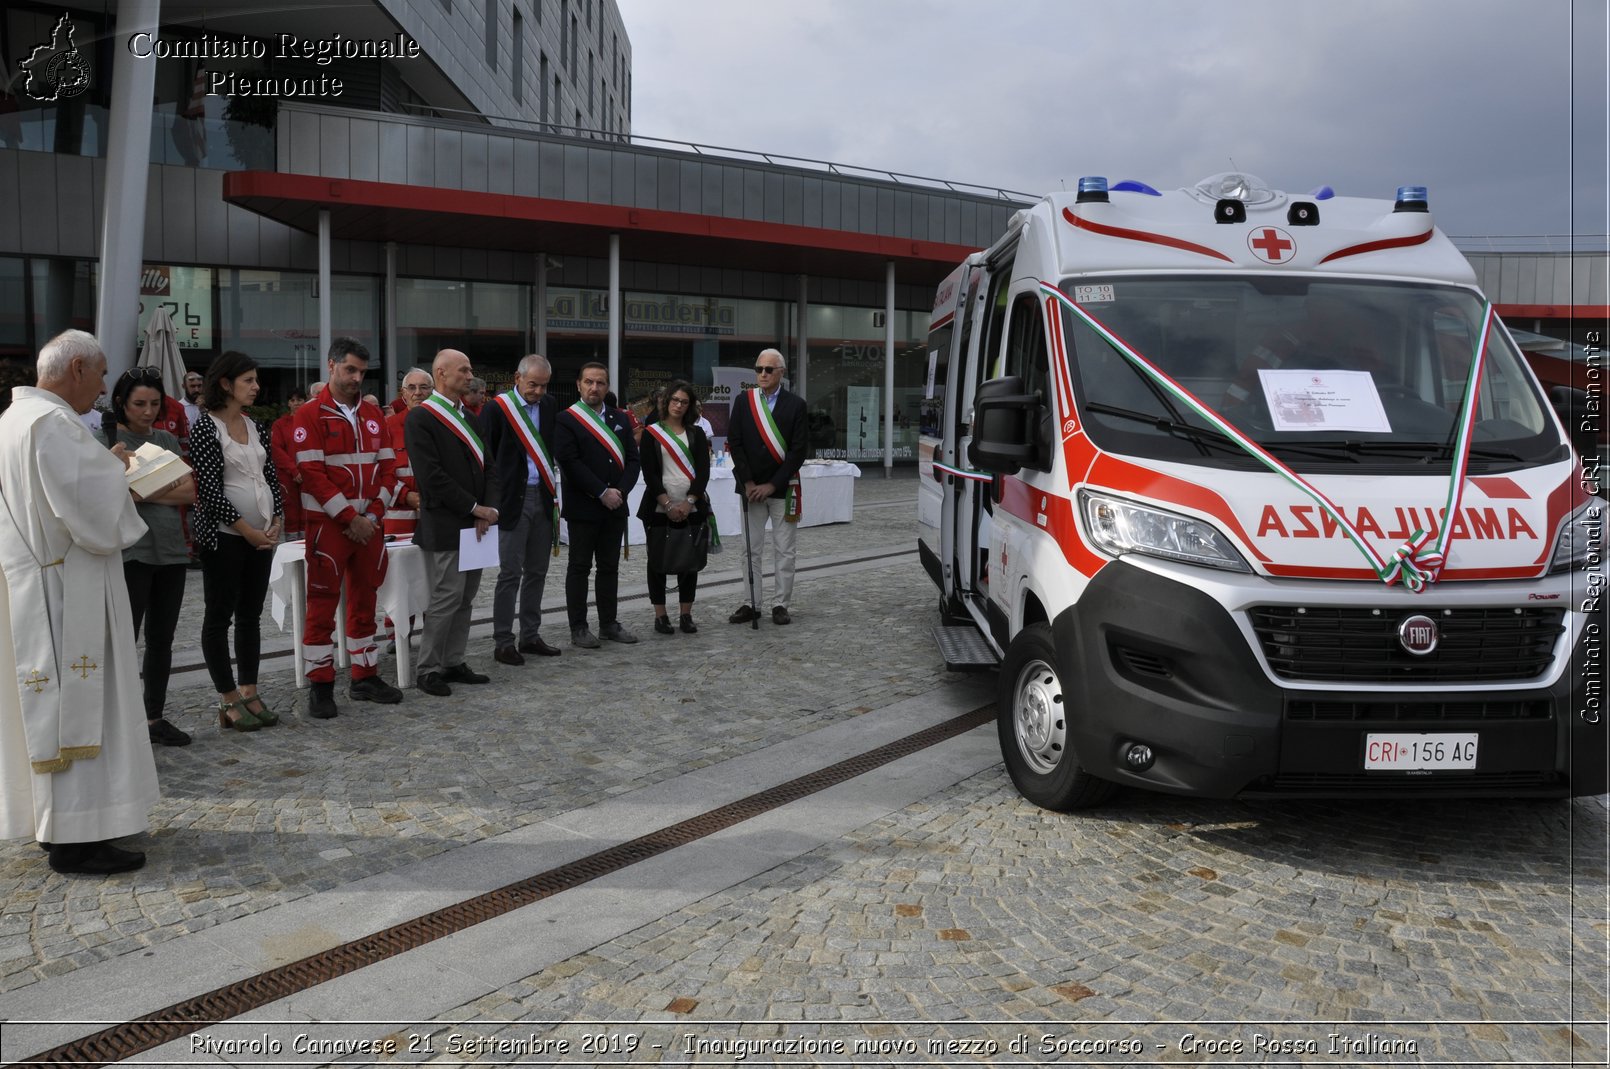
x=475, y=554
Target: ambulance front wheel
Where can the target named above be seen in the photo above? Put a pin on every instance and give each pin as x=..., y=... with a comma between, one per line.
x=1033, y=725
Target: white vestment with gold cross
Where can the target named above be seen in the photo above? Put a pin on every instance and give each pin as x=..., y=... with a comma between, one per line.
x=75, y=757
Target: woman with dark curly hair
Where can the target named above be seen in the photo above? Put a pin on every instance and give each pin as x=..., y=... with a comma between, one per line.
x=154, y=567
x=676, y=477
x=236, y=527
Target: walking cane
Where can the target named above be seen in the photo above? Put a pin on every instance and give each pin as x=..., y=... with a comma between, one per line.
x=750, y=569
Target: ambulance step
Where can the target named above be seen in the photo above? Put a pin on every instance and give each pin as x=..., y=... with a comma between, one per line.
x=964, y=649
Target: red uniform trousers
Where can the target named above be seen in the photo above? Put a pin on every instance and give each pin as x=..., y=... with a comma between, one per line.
x=332, y=557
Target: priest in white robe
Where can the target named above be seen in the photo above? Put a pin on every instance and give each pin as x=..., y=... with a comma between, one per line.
x=76, y=769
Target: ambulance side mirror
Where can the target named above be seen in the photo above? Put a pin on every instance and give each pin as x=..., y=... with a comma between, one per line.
x=1006, y=427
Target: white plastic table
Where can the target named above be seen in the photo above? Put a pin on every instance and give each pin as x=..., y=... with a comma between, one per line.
x=403, y=594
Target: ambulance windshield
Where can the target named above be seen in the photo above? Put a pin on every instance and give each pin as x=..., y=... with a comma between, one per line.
x=1365, y=376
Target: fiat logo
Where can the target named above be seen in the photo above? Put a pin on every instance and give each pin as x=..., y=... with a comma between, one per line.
x=1418, y=634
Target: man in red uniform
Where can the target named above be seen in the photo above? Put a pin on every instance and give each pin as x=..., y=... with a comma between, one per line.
x=404, y=512
x=279, y=437
x=349, y=479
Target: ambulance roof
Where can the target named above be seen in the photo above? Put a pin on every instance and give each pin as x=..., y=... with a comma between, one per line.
x=1233, y=222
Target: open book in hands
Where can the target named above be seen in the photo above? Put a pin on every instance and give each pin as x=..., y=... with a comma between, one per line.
x=152, y=469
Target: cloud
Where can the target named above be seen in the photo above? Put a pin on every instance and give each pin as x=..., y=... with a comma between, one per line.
x=1473, y=98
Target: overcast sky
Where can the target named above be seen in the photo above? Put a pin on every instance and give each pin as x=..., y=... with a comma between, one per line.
x=1498, y=107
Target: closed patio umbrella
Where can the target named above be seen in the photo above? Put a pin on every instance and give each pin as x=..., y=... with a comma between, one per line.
x=162, y=351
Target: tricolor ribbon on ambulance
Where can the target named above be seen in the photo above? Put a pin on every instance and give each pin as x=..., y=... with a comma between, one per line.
x=964, y=473
x=1418, y=562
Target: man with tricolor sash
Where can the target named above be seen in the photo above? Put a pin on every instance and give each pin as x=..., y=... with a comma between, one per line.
x=766, y=435
x=598, y=466
x=517, y=428
x=456, y=491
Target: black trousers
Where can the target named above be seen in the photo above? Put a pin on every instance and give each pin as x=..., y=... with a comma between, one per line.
x=234, y=578
x=594, y=545
x=156, y=593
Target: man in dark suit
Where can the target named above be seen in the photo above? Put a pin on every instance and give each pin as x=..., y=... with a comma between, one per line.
x=766, y=436
x=517, y=428
x=598, y=461
x=455, y=486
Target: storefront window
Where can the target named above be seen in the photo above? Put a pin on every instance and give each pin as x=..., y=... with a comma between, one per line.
x=63, y=297
x=13, y=308
x=273, y=317
x=487, y=321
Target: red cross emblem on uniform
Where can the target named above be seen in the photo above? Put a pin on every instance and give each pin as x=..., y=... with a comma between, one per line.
x=1272, y=245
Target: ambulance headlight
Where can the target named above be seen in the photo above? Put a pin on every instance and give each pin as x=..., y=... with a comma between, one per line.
x=1580, y=535
x=1117, y=527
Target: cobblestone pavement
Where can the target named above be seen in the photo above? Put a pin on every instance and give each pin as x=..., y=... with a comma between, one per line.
x=968, y=928
x=1467, y=933
x=248, y=821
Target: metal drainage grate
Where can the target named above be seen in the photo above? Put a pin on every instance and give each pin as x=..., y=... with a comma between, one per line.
x=192, y=1015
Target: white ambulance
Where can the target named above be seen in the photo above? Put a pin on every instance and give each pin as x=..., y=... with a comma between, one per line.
x=1250, y=494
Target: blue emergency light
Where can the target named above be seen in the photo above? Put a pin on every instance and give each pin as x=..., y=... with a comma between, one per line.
x=1092, y=188
x=1411, y=199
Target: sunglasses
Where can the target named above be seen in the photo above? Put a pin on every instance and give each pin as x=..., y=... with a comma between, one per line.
x=767, y=370
x=143, y=374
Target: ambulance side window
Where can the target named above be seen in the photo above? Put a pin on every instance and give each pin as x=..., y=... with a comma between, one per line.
x=996, y=311
x=1026, y=354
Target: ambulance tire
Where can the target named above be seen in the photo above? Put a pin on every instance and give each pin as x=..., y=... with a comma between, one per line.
x=1032, y=722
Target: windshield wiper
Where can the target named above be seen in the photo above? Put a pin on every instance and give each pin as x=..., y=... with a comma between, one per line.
x=1203, y=435
x=1200, y=435
x=1427, y=451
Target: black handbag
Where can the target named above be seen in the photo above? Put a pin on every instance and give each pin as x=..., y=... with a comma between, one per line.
x=677, y=548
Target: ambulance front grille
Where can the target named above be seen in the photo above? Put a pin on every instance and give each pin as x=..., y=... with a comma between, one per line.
x=1354, y=645
x=1394, y=712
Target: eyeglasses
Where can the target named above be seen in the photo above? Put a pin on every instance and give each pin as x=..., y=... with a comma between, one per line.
x=678, y=401
x=760, y=370
x=418, y=387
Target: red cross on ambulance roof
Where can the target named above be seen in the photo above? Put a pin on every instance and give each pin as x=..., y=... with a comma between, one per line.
x=1272, y=244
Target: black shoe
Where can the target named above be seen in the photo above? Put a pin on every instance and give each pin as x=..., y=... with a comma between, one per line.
x=743, y=615
x=616, y=633
x=779, y=615
x=375, y=689
x=165, y=734
x=662, y=626
x=93, y=859
x=463, y=673
x=583, y=637
x=507, y=655
x=688, y=626
x=321, y=701
x=540, y=648
x=433, y=683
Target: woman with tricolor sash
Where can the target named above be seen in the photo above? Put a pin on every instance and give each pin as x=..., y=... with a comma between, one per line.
x=676, y=478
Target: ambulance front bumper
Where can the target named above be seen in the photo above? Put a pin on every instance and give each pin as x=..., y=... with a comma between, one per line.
x=1228, y=685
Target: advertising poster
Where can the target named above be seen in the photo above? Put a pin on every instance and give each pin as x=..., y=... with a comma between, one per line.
x=186, y=292
x=726, y=384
